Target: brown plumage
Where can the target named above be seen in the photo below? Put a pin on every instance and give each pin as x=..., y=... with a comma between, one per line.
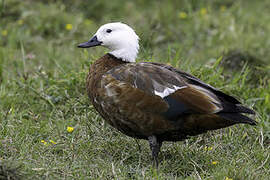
x=157, y=102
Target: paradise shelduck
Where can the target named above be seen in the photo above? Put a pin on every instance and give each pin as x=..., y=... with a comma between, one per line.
x=153, y=101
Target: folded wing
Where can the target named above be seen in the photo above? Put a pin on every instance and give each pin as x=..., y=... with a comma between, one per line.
x=167, y=86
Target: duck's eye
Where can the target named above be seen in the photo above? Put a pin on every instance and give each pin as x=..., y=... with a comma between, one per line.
x=108, y=30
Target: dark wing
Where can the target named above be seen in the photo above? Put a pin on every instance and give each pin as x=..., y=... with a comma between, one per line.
x=195, y=81
x=229, y=107
x=166, y=85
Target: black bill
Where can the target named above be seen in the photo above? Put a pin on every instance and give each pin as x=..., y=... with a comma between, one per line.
x=91, y=43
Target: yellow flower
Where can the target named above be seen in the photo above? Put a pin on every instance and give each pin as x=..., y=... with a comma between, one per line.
x=44, y=142
x=68, y=27
x=51, y=141
x=4, y=33
x=206, y=148
x=214, y=162
x=70, y=129
x=227, y=178
x=223, y=8
x=20, y=21
x=203, y=11
x=182, y=15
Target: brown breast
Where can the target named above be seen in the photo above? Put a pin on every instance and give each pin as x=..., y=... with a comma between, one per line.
x=97, y=70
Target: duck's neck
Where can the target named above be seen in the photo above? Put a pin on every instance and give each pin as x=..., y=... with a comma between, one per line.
x=127, y=54
x=107, y=62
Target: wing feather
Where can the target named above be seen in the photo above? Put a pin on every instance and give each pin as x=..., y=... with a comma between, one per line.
x=157, y=80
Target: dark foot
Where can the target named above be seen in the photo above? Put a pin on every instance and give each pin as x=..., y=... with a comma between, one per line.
x=155, y=148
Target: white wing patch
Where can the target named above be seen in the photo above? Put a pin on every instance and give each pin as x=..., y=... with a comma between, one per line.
x=167, y=91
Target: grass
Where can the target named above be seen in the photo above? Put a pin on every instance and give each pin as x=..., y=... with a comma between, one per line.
x=42, y=88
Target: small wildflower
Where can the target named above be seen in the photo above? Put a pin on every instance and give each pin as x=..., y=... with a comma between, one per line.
x=68, y=27
x=182, y=15
x=206, y=148
x=11, y=110
x=51, y=141
x=227, y=178
x=223, y=8
x=4, y=33
x=70, y=129
x=203, y=11
x=214, y=162
x=44, y=142
x=20, y=21
x=87, y=22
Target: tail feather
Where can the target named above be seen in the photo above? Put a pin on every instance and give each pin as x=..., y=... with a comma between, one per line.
x=237, y=118
x=235, y=108
x=243, y=109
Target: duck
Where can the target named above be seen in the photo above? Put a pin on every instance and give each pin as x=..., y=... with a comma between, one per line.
x=153, y=101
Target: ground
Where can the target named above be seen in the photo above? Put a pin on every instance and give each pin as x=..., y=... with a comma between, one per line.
x=49, y=129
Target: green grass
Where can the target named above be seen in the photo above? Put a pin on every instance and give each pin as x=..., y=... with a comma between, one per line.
x=42, y=88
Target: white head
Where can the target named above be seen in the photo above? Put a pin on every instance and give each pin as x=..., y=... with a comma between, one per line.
x=119, y=38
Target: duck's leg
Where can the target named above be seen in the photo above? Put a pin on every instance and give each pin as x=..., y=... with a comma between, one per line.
x=155, y=145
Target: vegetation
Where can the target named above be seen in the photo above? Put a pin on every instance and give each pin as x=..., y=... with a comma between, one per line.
x=49, y=129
